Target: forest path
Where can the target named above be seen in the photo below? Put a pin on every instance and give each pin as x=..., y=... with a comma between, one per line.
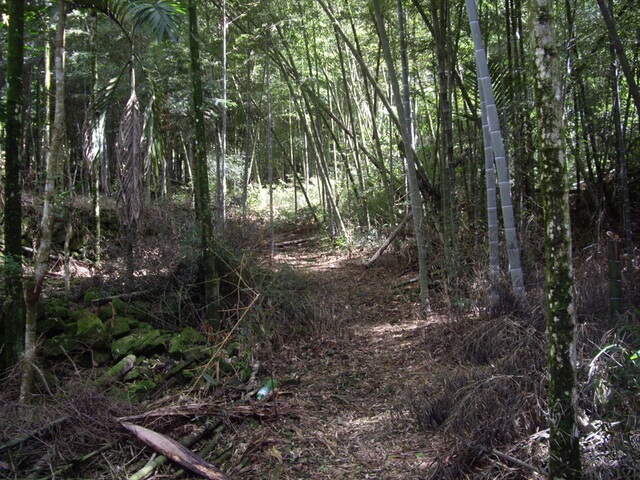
x=355, y=374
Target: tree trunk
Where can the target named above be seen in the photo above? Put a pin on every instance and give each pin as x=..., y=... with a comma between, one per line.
x=222, y=181
x=54, y=161
x=564, y=445
x=201, y=182
x=443, y=39
x=622, y=166
x=267, y=79
x=620, y=52
x=94, y=139
x=404, y=116
x=14, y=309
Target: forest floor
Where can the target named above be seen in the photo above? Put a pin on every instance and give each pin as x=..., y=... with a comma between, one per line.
x=349, y=417
x=370, y=386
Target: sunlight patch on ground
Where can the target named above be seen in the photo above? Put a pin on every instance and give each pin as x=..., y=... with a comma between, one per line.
x=391, y=331
x=315, y=262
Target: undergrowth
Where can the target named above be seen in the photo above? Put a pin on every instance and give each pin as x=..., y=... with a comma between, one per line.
x=490, y=394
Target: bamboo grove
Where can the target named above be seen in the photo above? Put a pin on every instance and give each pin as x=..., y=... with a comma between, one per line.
x=369, y=111
x=330, y=122
x=334, y=121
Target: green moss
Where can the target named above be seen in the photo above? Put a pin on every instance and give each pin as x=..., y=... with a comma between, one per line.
x=139, y=389
x=93, y=294
x=105, y=312
x=119, y=306
x=56, y=308
x=60, y=345
x=185, y=341
x=120, y=326
x=139, y=311
x=89, y=324
x=139, y=342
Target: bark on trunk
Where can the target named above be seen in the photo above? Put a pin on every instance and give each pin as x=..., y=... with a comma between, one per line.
x=14, y=310
x=54, y=161
x=564, y=446
x=201, y=183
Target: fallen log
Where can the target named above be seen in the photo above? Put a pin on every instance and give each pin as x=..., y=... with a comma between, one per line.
x=299, y=241
x=388, y=242
x=121, y=296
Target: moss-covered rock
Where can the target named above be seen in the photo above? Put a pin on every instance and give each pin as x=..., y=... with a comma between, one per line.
x=60, y=345
x=56, y=308
x=187, y=341
x=119, y=326
x=93, y=294
x=50, y=326
x=141, y=388
x=106, y=312
x=138, y=342
x=89, y=325
x=119, y=306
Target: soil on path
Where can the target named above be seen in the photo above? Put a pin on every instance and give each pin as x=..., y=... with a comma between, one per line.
x=355, y=376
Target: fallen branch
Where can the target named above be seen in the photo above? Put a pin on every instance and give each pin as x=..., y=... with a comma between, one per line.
x=388, y=242
x=29, y=435
x=406, y=282
x=295, y=242
x=261, y=410
x=176, y=452
x=520, y=463
x=128, y=296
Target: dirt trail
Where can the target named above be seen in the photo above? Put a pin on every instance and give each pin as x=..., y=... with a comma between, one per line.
x=354, y=378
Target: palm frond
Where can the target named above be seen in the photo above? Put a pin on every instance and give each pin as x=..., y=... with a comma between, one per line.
x=105, y=94
x=152, y=135
x=160, y=17
x=130, y=160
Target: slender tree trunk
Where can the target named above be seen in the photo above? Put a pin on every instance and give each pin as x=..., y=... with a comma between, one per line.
x=443, y=38
x=564, y=445
x=201, y=183
x=54, y=162
x=404, y=114
x=223, y=166
x=130, y=196
x=14, y=309
x=94, y=139
x=620, y=52
x=267, y=75
x=623, y=168
x=247, y=154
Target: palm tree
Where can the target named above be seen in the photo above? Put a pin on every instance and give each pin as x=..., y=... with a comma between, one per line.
x=139, y=13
